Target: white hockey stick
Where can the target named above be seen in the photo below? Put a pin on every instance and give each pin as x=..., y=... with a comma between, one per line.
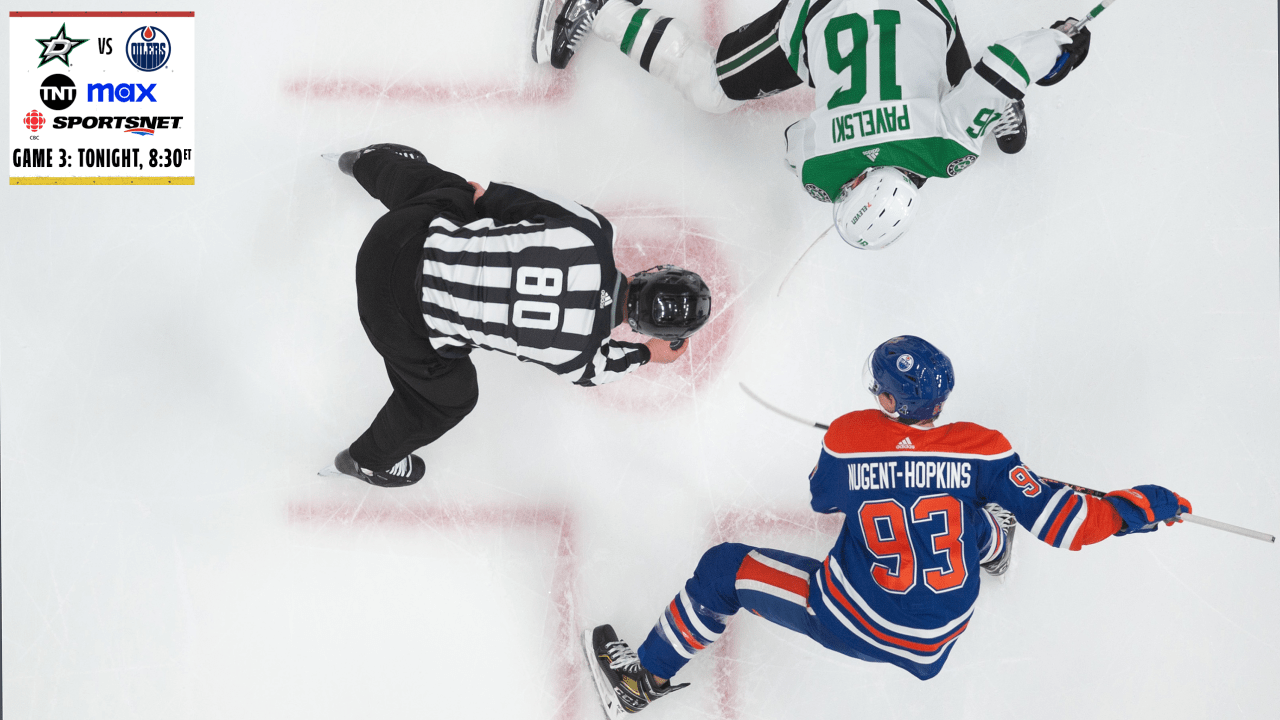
x=787, y=277
x=1228, y=527
x=1194, y=519
x=780, y=411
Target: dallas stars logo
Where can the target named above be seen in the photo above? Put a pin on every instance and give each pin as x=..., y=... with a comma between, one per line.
x=58, y=47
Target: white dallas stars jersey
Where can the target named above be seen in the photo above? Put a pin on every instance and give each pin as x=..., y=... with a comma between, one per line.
x=894, y=88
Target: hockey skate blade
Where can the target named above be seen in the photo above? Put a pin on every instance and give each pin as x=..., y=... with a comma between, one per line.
x=544, y=29
x=608, y=698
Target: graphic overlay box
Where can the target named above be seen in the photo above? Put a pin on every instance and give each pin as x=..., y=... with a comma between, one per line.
x=102, y=98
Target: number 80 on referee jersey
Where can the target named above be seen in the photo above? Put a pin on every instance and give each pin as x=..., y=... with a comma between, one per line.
x=537, y=314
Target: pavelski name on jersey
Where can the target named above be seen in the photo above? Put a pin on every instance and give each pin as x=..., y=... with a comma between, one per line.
x=869, y=122
x=117, y=122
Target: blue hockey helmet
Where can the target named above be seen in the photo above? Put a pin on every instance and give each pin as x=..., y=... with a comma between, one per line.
x=917, y=375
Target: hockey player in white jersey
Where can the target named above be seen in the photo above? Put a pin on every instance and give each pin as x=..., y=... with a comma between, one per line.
x=897, y=99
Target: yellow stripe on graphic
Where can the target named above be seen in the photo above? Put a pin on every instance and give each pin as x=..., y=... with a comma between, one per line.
x=169, y=180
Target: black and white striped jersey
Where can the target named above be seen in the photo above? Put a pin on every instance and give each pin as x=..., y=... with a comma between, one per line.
x=533, y=277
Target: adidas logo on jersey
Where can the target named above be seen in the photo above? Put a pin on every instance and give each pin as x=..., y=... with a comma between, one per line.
x=872, y=154
x=605, y=300
x=906, y=444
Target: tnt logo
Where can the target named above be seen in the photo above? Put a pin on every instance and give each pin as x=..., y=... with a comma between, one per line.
x=57, y=92
x=148, y=48
x=34, y=121
x=124, y=92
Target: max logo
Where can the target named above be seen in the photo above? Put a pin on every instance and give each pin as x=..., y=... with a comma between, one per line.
x=124, y=92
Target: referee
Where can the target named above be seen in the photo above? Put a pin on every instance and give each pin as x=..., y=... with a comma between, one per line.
x=453, y=266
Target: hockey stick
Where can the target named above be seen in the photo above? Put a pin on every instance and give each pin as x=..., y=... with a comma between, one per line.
x=787, y=277
x=1194, y=519
x=1072, y=28
x=780, y=411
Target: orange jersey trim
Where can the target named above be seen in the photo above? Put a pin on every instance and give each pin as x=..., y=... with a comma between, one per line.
x=752, y=569
x=688, y=636
x=1103, y=522
x=871, y=431
x=908, y=644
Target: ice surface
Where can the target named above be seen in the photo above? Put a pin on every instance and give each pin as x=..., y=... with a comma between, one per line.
x=177, y=363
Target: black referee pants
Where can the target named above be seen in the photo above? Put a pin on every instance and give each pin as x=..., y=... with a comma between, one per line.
x=429, y=394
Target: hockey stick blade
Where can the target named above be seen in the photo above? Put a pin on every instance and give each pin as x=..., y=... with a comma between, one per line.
x=330, y=471
x=780, y=411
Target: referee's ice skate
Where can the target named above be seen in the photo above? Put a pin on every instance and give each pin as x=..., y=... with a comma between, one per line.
x=403, y=474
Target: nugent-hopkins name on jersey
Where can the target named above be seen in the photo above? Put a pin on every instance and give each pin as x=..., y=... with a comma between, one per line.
x=534, y=277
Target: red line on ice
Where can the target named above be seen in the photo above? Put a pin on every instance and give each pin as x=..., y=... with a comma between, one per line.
x=748, y=526
x=564, y=577
x=556, y=87
x=555, y=90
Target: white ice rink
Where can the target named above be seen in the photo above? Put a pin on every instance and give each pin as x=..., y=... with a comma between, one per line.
x=177, y=363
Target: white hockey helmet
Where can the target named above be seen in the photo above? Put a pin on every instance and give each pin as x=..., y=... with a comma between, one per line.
x=874, y=209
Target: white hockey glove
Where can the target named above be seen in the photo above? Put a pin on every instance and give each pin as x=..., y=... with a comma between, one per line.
x=1026, y=58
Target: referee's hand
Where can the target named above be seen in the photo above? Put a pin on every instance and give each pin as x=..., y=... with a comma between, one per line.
x=660, y=351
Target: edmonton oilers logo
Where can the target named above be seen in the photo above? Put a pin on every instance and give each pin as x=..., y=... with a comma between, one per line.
x=905, y=362
x=148, y=48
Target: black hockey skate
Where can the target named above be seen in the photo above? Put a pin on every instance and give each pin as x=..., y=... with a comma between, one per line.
x=557, y=41
x=625, y=687
x=1011, y=130
x=347, y=160
x=403, y=474
x=998, y=565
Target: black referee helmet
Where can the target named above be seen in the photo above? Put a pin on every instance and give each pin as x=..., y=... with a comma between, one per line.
x=667, y=302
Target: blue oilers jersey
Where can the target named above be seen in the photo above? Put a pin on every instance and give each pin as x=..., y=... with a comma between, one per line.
x=901, y=582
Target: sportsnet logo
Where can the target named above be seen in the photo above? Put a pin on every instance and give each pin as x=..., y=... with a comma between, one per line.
x=905, y=444
x=148, y=124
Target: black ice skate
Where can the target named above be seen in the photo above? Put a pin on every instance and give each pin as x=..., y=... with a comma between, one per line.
x=1011, y=130
x=557, y=40
x=404, y=473
x=624, y=685
x=1000, y=563
x=347, y=160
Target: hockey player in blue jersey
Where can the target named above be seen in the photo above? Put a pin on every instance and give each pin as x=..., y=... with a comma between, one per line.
x=926, y=505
